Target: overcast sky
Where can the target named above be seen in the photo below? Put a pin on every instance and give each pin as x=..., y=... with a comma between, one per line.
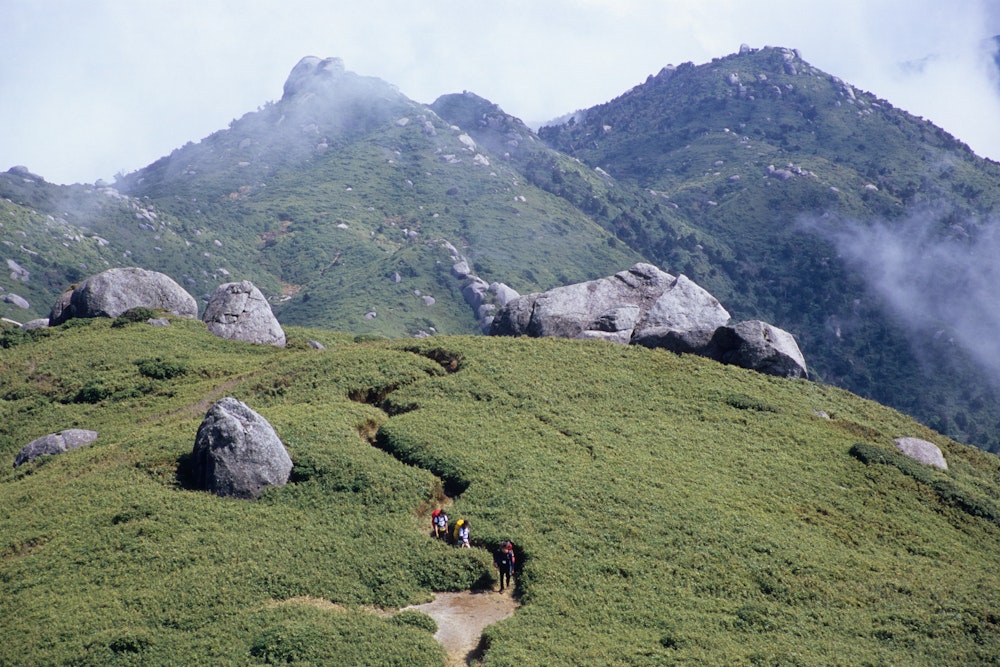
x=92, y=88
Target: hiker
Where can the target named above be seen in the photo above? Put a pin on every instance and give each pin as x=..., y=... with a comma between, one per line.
x=462, y=536
x=503, y=560
x=456, y=537
x=440, y=521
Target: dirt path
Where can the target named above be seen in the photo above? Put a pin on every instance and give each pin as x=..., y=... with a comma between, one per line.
x=461, y=618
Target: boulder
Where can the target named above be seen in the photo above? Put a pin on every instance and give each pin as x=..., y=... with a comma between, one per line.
x=237, y=453
x=926, y=452
x=758, y=346
x=32, y=325
x=504, y=293
x=112, y=292
x=475, y=292
x=649, y=307
x=16, y=300
x=641, y=305
x=55, y=443
x=239, y=311
x=682, y=319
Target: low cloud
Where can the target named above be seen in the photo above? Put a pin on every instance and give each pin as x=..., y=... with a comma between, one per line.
x=937, y=274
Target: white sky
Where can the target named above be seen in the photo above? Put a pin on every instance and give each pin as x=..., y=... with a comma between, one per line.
x=89, y=88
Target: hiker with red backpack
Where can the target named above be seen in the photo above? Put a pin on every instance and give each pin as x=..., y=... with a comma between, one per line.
x=439, y=522
x=503, y=560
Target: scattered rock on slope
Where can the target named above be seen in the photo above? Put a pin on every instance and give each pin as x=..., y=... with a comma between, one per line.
x=926, y=452
x=239, y=311
x=112, y=292
x=237, y=453
x=55, y=443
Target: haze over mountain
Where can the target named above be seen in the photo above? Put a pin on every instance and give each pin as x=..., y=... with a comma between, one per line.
x=108, y=87
x=762, y=178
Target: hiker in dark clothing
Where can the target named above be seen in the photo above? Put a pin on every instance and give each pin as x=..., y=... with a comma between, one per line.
x=503, y=560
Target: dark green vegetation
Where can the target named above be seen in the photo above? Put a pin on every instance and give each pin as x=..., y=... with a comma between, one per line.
x=667, y=509
x=348, y=204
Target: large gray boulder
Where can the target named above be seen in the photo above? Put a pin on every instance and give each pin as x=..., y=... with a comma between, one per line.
x=649, y=307
x=239, y=311
x=641, y=305
x=682, y=319
x=920, y=450
x=758, y=346
x=237, y=453
x=112, y=292
x=55, y=443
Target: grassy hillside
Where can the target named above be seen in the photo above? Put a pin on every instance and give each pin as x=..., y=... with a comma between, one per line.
x=667, y=509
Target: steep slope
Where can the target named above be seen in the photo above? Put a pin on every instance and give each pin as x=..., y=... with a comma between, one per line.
x=783, y=172
x=353, y=203
x=664, y=509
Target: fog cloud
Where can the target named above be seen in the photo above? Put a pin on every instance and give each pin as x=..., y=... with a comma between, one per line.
x=938, y=275
x=91, y=88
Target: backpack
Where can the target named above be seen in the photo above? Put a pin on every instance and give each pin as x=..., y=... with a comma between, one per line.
x=435, y=513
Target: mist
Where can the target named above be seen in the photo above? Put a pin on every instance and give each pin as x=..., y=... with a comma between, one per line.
x=936, y=274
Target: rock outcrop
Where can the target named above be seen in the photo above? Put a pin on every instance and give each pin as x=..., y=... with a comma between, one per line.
x=642, y=305
x=237, y=453
x=920, y=450
x=112, y=292
x=239, y=311
x=55, y=443
x=649, y=307
x=758, y=346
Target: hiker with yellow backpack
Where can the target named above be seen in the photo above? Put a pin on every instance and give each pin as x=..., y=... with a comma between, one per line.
x=461, y=534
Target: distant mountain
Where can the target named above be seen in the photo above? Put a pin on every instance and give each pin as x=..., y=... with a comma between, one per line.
x=774, y=164
x=760, y=177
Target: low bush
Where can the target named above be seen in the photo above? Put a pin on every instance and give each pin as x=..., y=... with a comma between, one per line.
x=159, y=369
x=134, y=315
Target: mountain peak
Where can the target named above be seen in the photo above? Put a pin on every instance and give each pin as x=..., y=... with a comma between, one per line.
x=312, y=72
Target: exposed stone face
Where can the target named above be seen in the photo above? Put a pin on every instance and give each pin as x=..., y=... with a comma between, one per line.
x=237, y=453
x=758, y=346
x=641, y=305
x=112, y=292
x=239, y=311
x=926, y=452
x=682, y=319
x=55, y=443
x=649, y=307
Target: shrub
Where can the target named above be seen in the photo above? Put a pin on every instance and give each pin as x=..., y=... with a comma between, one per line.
x=11, y=336
x=133, y=315
x=158, y=369
x=92, y=392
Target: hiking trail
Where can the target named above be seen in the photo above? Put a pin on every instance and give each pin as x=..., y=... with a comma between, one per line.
x=462, y=617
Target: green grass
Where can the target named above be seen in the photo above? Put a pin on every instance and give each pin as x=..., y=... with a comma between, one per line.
x=666, y=509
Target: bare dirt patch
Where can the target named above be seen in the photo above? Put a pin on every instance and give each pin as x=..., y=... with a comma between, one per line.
x=461, y=618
